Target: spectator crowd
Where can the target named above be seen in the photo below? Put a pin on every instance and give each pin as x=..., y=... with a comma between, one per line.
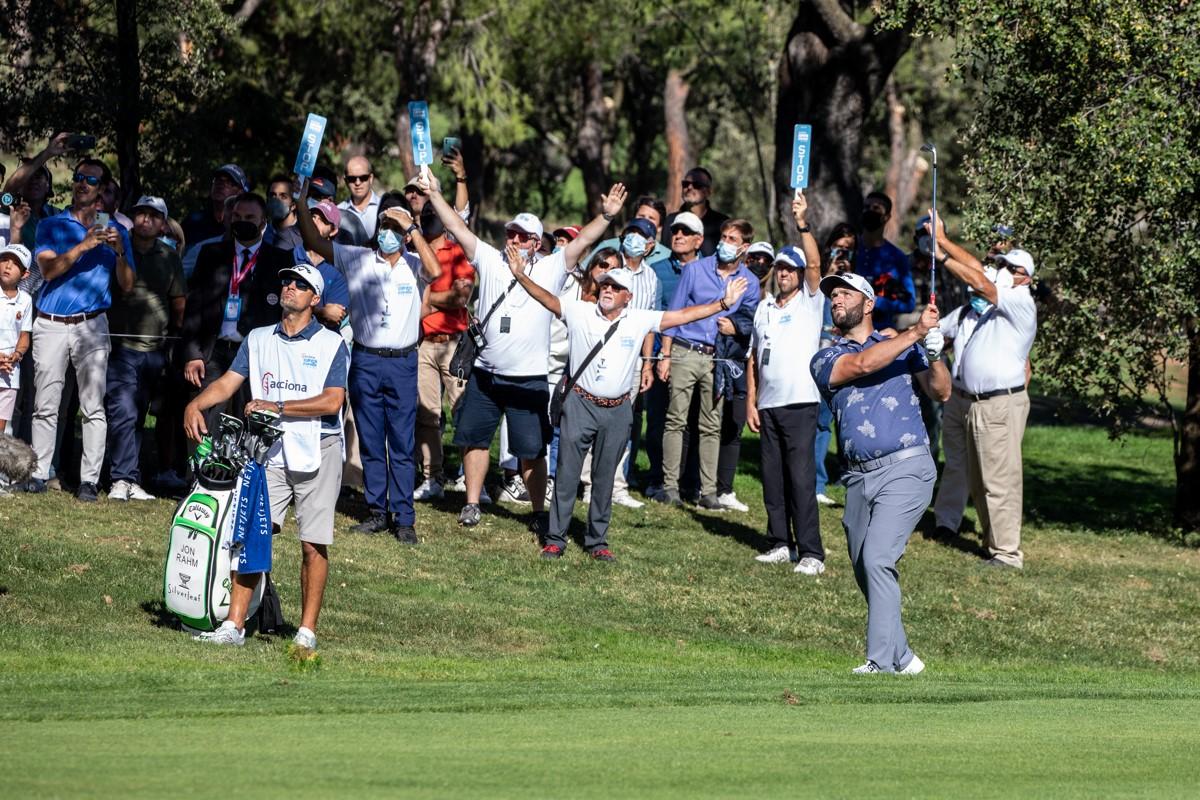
x=575, y=347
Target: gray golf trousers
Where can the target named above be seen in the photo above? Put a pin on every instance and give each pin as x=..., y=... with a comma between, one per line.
x=884, y=502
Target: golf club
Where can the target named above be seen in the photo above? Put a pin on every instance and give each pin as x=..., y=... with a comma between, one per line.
x=930, y=148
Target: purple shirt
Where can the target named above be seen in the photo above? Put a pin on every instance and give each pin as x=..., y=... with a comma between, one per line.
x=699, y=284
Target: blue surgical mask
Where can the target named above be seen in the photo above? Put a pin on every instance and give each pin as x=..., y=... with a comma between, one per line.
x=980, y=303
x=389, y=241
x=634, y=245
x=726, y=252
x=557, y=248
x=168, y=241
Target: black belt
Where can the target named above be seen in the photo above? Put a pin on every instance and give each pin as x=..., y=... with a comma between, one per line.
x=70, y=319
x=706, y=349
x=989, y=395
x=228, y=344
x=385, y=352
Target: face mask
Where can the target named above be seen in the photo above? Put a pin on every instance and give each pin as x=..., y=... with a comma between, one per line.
x=389, y=241
x=759, y=268
x=244, y=230
x=1003, y=279
x=980, y=303
x=634, y=245
x=168, y=241
x=557, y=248
x=925, y=245
x=277, y=210
x=726, y=252
x=872, y=220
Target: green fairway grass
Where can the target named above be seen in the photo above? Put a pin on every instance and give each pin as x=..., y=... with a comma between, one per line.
x=468, y=667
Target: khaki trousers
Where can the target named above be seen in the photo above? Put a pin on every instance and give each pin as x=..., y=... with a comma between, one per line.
x=83, y=346
x=995, y=428
x=691, y=375
x=434, y=378
x=955, y=484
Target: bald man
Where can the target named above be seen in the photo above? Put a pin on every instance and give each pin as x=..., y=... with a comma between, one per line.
x=363, y=205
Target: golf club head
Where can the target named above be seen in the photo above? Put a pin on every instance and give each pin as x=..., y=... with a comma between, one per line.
x=931, y=148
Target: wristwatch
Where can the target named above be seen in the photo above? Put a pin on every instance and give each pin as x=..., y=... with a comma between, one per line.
x=607, y=216
x=409, y=230
x=805, y=229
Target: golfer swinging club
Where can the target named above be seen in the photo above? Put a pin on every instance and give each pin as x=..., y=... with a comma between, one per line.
x=867, y=379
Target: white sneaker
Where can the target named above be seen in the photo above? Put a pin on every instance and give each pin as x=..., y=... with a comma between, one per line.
x=810, y=566
x=227, y=633
x=915, y=667
x=429, y=490
x=730, y=501
x=627, y=500
x=778, y=555
x=136, y=492
x=119, y=491
x=825, y=500
x=514, y=491
x=868, y=668
x=305, y=638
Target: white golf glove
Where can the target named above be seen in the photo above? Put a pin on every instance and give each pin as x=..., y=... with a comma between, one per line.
x=935, y=342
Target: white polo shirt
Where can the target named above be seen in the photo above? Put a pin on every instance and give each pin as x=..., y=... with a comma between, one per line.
x=995, y=354
x=957, y=327
x=518, y=334
x=612, y=371
x=16, y=317
x=784, y=341
x=385, y=301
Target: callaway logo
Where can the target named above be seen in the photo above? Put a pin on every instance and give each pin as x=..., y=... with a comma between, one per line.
x=197, y=512
x=269, y=383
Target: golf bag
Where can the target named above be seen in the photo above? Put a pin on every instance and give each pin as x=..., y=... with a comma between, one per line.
x=197, y=576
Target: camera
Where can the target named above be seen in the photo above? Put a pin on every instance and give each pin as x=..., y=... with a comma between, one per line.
x=79, y=141
x=8, y=200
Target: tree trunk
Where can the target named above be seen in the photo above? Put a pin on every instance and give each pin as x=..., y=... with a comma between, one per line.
x=906, y=167
x=129, y=112
x=1187, y=457
x=832, y=71
x=679, y=143
x=591, y=146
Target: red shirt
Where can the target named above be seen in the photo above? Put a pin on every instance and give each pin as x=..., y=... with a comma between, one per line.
x=455, y=266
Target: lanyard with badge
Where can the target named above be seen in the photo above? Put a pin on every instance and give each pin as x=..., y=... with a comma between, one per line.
x=785, y=319
x=233, y=305
x=388, y=283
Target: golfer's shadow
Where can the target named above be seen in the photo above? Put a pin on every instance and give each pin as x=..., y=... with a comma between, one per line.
x=721, y=525
x=928, y=529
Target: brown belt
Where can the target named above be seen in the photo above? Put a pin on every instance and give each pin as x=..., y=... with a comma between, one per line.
x=70, y=319
x=603, y=402
x=441, y=338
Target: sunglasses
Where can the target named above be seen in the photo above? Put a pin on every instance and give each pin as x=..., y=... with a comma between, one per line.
x=694, y=185
x=679, y=229
x=604, y=265
x=90, y=180
x=299, y=283
x=358, y=178
x=519, y=236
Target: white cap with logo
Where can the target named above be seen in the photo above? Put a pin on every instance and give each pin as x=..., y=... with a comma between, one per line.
x=1018, y=258
x=526, y=222
x=20, y=253
x=619, y=277
x=848, y=280
x=688, y=221
x=152, y=203
x=307, y=273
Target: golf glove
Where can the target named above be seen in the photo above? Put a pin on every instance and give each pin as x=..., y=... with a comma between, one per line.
x=935, y=342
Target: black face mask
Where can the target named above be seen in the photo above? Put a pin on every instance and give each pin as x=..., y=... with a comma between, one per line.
x=759, y=267
x=872, y=220
x=244, y=230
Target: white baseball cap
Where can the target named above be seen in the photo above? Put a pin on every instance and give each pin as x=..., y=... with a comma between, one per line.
x=762, y=248
x=849, y=280
x=306, y=272
x=152, y=203
x=619, y=276
x=526, y=222
x=690, y=221
x=20, y=252
x=1017, y=258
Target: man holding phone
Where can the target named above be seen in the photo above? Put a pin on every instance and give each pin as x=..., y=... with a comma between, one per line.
x=78, y=251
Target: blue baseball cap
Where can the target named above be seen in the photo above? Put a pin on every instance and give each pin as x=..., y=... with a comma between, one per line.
x=643, y=226
x=791, y=257
x=234, y=173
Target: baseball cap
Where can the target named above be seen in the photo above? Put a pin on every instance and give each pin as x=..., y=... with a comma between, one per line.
x=329, y=211
x=322, y=186
x=412, y=183
x=306, y=272
x=1003, y=231
x=848, y=279
x=643, y=226
x=761, y=249
x=526, y=222
x=19, y=252
x=152, y=203
x=791, y=256
x=235, y=174
x=569, y=232
x=1017, y=258
x=619, y=276
x=690, y=221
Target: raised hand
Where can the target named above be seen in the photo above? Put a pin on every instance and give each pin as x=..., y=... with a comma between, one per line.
x=515, y=257
x=614, y=201
x=427, y=182
x=455, y=162
x=928, y=320
x=734, y=290
x=399, y=215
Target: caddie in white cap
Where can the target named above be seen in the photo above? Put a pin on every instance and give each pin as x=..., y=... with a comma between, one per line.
x=984, y=421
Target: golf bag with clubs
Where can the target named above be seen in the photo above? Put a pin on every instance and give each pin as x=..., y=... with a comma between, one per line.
x=197, y=576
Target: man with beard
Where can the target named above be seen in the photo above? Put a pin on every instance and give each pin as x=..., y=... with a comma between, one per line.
x=884, y=265
x=870, y=381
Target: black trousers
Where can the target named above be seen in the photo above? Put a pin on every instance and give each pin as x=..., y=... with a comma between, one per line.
x=733, y=421
x=788, y=478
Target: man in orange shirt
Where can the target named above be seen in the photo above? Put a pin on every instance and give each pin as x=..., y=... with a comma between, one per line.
x=444, y=320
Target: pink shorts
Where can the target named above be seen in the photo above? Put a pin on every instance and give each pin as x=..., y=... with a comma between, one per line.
x=8, y=401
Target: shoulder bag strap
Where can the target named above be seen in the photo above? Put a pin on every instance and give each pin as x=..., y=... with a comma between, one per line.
x=572, y=378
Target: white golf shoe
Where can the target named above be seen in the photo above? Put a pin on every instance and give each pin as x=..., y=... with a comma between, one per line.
x=810, y=566
x=776, y=555
x=226, y=633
